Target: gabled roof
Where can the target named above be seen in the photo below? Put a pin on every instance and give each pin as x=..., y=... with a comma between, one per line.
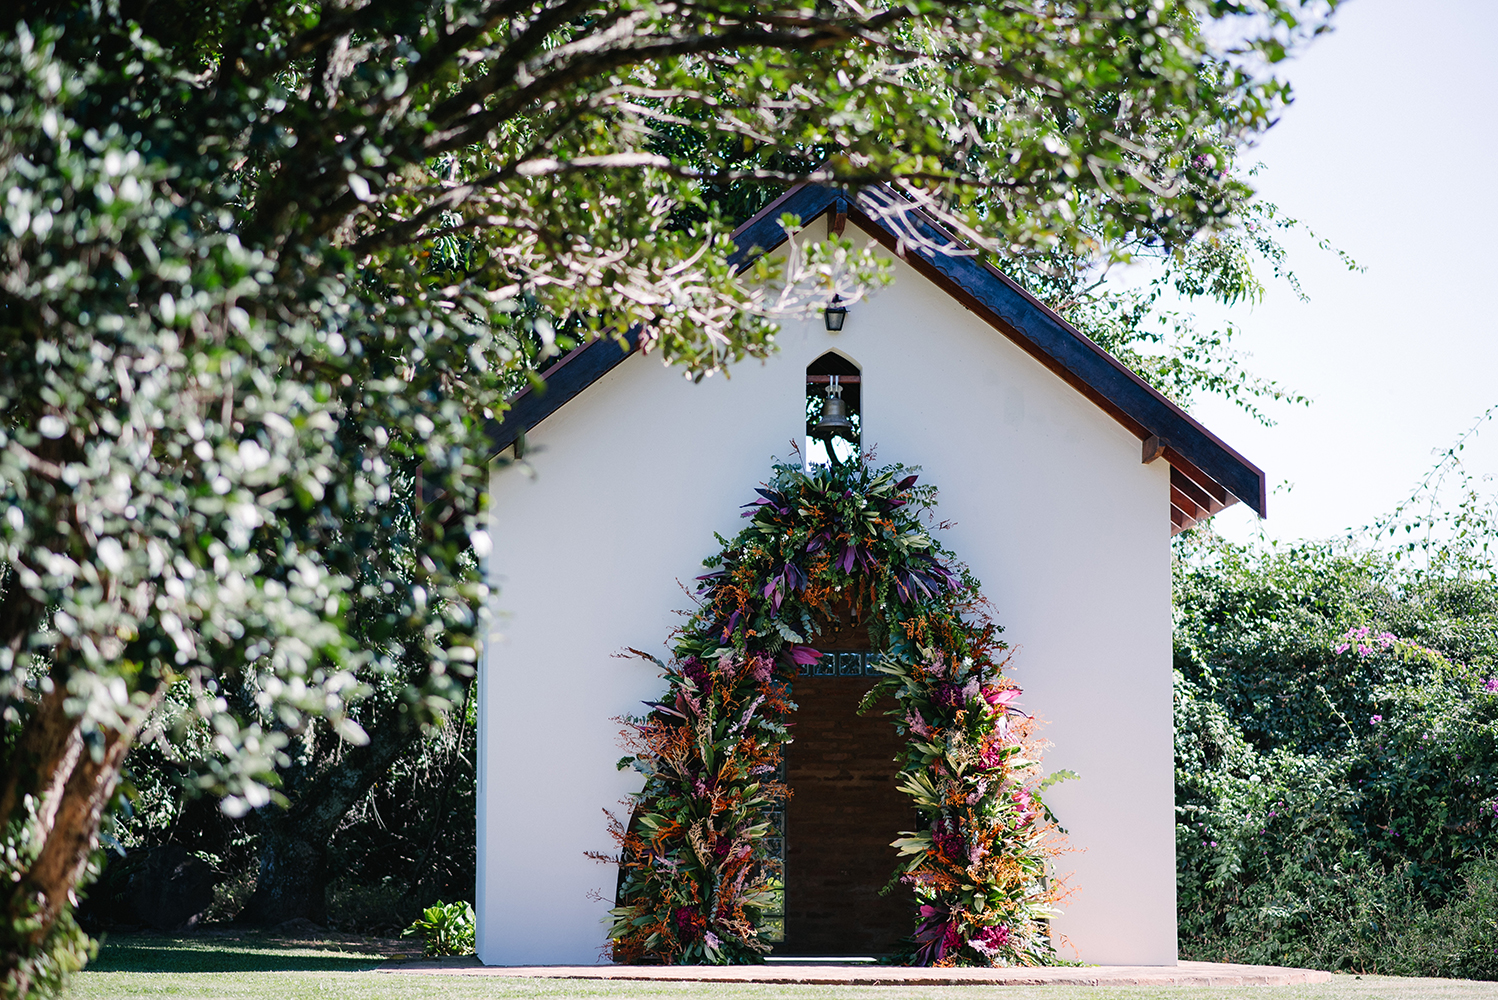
x=1205, y=474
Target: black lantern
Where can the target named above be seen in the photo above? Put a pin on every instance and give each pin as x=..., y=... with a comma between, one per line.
x=835, y=314
x=834, y=422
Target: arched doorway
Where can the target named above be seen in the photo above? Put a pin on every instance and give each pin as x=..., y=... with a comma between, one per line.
x=760, y=708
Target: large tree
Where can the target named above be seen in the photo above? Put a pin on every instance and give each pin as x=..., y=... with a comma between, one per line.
x=269, y=266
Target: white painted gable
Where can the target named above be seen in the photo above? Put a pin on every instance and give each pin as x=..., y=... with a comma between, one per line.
x=1052, y=510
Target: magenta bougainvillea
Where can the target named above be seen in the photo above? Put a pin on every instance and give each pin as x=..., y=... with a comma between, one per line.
x=826, y=546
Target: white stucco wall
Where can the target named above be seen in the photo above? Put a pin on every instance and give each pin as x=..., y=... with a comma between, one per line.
x=1053, y=511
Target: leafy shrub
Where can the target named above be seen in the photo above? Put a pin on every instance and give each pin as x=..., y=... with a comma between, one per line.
x=1336, y=763
x=446, y=929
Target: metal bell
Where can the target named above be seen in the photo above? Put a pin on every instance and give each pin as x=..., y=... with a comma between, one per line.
x=834, y=422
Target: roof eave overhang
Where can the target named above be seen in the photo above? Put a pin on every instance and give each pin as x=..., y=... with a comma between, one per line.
x=1206, y=474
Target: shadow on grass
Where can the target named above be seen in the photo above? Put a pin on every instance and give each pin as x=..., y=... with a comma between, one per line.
x=160, y=953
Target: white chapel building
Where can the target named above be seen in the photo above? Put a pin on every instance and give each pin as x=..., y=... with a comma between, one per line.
x=1063, y=476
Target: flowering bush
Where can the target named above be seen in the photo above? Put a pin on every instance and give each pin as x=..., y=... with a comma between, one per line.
x=844, y=543
x=1336, y=763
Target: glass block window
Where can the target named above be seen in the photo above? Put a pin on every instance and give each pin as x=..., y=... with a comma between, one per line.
x=842, y=665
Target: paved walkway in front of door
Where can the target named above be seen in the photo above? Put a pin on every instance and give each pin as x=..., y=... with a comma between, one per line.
x=867, y=974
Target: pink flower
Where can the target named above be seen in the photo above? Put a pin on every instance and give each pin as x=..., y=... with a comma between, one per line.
x=1000, y=698
x=989, y=940
x=1372, y=722
x=1492, y=685
x=804, y=654
x=916, y=723
x=1022, y=799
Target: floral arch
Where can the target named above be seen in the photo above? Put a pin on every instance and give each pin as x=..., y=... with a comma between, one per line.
x=836, y=543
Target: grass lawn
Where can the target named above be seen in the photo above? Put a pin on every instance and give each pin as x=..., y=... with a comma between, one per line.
x=248, y=966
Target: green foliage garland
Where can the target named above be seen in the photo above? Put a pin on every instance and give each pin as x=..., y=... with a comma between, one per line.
x=824, y=545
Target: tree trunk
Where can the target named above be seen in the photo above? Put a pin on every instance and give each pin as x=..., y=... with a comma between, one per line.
x=293, y=880
x=295, y=845
x=71, y=785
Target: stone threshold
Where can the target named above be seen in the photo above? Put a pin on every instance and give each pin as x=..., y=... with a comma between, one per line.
x=863, y=974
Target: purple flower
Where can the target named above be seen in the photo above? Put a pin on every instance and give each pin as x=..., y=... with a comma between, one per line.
x=804, y=654
x=690, y=923
x=933, y=934
x=949, y=846
x=694, y=671
x=1375, y=720
x=1492, y=685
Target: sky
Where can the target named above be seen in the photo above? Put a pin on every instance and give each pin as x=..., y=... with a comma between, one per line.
x=1390, y=151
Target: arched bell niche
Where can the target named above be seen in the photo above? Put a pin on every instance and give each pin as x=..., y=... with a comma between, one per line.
x=845, y=808
x=833, y=374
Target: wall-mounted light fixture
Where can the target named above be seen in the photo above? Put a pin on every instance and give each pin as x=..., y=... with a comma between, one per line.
x=835, y=314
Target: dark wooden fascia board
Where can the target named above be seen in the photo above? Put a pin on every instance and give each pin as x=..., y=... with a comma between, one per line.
x=1074, y=358
x=578, y=369
x=1035, y=328
x=763, y=234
